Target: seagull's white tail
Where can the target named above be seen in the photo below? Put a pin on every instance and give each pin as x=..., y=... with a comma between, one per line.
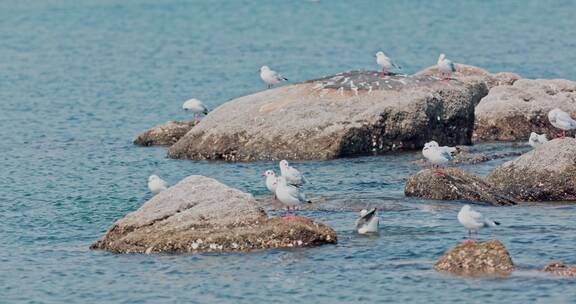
x=491, y=223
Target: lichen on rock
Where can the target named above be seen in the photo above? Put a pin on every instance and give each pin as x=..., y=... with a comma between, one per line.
x=476, y=259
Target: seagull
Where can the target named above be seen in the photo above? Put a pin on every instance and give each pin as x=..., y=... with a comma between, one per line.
x=446, y=67
x=437, y=155
x=196, y=107
x=289, y=195
x=367, y=222
x=156, y=184
x=537, y=139
x=561, y=120
x=473, y=220
x=271, y=77
x=385, y=63
x=271, y=181
x=291, y=174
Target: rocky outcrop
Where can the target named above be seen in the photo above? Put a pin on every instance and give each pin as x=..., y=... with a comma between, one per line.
x=561, y=270
x=354, y=113
x=464, y=70
x=200, y=214
x=511, y=113
x=454, y=185
x=164, y=135
x=476, y=259
x=547, y=173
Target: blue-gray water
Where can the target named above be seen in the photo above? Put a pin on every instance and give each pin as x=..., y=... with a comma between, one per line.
x=80, y=79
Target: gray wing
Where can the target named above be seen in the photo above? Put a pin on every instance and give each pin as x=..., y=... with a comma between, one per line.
x=446, y=154
x=366, y=218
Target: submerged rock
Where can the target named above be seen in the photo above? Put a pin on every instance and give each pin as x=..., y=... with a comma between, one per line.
x=559, y=269
x=464, y=70
x=199, y=214
x=455, y=185
x=353, y=113
x=511, y=113
x=164, y=135
x=476, y=259
x=547, y=173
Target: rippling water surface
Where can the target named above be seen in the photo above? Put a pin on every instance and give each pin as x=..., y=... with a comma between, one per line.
x=80, y=79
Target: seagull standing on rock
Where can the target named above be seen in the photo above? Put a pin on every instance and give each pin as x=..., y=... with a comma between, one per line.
x=561, y=120
x=271, y=77
x=446, y=67
x=156, y=184
x=271, y=181
x=473, y=220
x=196, y=107
x=537, y=139
x=289, y=195
x=367, y=222
x=438, y=155
x=385, y=63
x=291, y=174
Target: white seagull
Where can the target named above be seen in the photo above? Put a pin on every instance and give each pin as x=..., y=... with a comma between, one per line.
x=289, y=195
x=561, y=120
x=473, y=220
x=367, y=222
x=537, y=139
x=292, y=175
x=196, y=107
x=271, y=181
x=270, y=77
x=437, y=155
x=156, y=184
x=385, y=63
x=446, y=67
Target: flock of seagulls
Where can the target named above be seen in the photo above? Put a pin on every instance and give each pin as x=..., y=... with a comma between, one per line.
x=286, y=188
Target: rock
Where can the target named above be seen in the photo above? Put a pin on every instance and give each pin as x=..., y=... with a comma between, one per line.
x=547, y=173
x=349, y=114
x=511, y=113
x=164, y=135
x=455, y=185
x=559, y=269
x=464, y=70
x=475, y=158
x=476, y=259
x=200, y=214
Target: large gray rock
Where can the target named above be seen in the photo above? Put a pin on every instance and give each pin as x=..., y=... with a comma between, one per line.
x=476, y=259
x=511, y=113
x=464, y=71
x=164, y=135
x=454, y=185
x=200, y=214
x=354, y=113
x=547, y=173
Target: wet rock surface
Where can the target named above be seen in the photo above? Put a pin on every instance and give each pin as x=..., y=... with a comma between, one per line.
x=454, y=185
x=164, y=135
x=476, y=259
x=349, y=114
x=511, y=113
x=200, y=214
x=547, y=173
x=561, y=270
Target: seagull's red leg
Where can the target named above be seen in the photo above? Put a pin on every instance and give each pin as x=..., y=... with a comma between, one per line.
x=563, y=133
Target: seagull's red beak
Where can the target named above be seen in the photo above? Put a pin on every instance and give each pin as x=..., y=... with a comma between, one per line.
x=263, y=174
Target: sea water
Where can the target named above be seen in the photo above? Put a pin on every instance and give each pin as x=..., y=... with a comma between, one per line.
x=80, y=79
